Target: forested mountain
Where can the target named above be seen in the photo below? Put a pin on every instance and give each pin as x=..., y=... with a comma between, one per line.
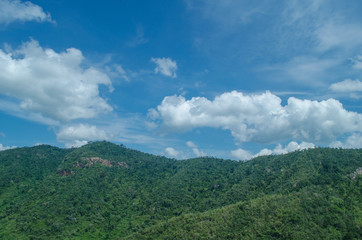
x=106, y=191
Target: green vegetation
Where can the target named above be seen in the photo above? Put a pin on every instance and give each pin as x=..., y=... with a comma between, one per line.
x=107, y=191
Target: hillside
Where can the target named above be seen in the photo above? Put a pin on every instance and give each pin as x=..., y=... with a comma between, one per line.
x=313, y=213
x=106, y=191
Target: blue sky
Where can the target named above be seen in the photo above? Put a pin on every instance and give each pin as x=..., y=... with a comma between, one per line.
x=187, y=78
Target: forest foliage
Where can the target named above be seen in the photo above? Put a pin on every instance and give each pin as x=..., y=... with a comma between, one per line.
x=108, y=191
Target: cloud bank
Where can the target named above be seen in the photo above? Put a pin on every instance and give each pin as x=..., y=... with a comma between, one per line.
x=260, y=118
x=15, y=10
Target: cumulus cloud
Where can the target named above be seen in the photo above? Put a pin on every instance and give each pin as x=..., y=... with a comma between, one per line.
x=347, y=85
x=15, y=10
x=3, y=148
x=52, y=84
x=78, y=135
x=241, y=154
x=261, y=117
x=165, y=66
x=353, y=141
x=293, y=146
x=171, y=152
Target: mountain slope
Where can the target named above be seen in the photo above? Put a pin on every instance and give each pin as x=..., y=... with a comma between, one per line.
x=312, y=213
x=106, y=191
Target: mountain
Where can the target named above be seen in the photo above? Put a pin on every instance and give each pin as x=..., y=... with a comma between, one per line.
x=108, y=191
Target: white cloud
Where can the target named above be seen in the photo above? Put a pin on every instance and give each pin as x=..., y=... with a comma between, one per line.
x=15, y=10
x=291, y=147
x=195, y=149
x=3, y=148
x=261, y=117
x=314, y=39
x=152, y=114
x=338, y=34
x=198, y=152
x=353, y=141
x=78, y=135
x=122, y=72
x=244, y=155
x=305, y=70
x=264, y=152
x=171, y=152
x=117, y=71
x=75, y=143
x=241, y=154
x=165, y=66
x=323, y=22
x=191, y=144
x=347, y=85
x=357, y=62
x=131, y=130
x=52, y=84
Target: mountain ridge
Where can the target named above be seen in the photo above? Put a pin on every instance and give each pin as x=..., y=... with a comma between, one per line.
x=88, y=192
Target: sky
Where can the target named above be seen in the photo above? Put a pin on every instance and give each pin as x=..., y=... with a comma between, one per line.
x=186, y=78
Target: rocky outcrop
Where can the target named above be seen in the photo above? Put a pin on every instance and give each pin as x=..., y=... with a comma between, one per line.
x=356, y=173
x=89, y=161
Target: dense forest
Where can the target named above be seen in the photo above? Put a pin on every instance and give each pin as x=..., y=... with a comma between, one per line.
x=108, y=191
